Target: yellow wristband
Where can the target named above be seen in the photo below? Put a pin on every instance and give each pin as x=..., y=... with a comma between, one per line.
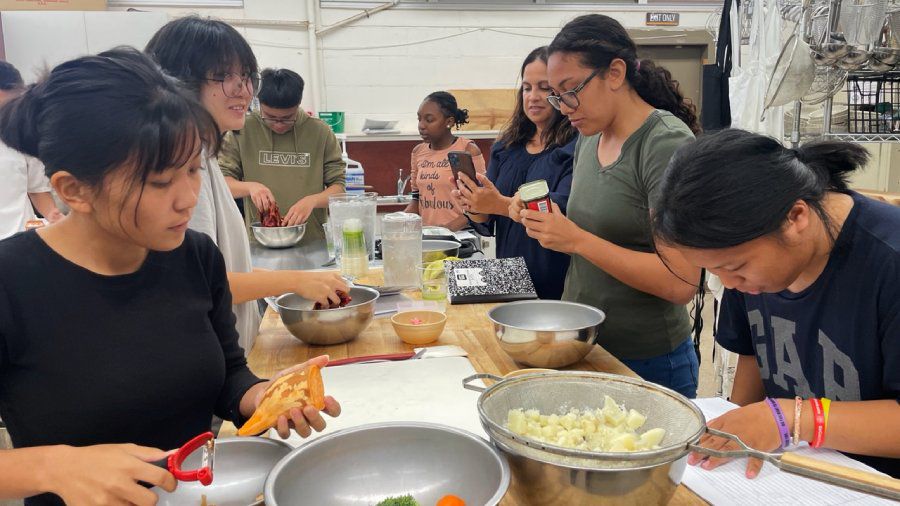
x=826, y=404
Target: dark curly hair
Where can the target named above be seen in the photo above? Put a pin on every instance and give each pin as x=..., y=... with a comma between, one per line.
x=600, y=39
x=520, y=129
x=447, y=103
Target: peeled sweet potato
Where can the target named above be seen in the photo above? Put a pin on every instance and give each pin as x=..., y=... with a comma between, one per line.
x=295, y=390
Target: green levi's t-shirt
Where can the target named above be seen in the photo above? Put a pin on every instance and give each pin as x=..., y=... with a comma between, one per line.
x=612, y=203
x=301, y=162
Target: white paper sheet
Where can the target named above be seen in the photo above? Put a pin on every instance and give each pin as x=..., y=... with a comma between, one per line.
x=728, y=485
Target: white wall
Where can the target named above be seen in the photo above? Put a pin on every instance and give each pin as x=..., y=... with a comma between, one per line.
x=364, y=78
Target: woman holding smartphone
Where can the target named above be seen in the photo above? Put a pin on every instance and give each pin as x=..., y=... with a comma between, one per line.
x=631, y=117
x=537, y=143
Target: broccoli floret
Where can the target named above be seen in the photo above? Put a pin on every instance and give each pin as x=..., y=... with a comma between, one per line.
x=406, y=500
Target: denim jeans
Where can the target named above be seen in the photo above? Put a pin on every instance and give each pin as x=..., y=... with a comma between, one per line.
x=677, y=370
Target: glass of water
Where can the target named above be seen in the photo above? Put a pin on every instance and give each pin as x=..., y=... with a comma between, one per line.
x=329, y=239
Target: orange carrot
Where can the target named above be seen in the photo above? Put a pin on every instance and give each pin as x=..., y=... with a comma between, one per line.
x=451, y=500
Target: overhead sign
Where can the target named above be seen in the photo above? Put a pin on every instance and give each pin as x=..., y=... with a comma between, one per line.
x=662, y=19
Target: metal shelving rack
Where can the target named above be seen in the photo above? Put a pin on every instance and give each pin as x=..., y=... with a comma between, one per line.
x=858, y=137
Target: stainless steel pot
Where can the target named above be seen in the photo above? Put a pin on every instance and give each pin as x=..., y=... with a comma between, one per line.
x=551, y=474
x=364, y=465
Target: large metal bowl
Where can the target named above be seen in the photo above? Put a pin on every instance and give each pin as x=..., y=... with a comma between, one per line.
x=436, y=249
x=278, y=237
x=241, y=467
x=546, y=333
x=367, y=464
x=325, y=327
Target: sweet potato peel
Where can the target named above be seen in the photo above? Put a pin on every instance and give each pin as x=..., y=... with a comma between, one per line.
x=295, y=390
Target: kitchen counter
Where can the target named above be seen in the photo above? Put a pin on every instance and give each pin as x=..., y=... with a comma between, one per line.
x=467, y=326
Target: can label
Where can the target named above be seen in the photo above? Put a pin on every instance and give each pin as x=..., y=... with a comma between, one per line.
x=536, y=196
x=542, y=205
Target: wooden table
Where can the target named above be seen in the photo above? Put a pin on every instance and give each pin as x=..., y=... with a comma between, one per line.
x=467, y=326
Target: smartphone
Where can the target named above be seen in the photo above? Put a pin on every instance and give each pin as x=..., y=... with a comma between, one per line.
x=461, y=161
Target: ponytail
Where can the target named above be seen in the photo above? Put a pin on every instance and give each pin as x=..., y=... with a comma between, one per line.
x=600, y=39
x=833, y=161
x=19, y=119
x=707, y=204
x=654, y=84
x=447, y=103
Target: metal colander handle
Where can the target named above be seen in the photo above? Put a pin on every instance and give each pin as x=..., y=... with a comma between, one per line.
x=466, y=382
x=842, y=476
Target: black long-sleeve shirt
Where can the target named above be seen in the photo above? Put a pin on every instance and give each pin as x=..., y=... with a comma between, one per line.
x=143, y=358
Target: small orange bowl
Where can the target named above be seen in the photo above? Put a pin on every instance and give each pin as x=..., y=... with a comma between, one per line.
x=419, y=327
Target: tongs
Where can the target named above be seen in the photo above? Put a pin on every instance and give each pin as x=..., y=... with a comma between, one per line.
x=204, y=473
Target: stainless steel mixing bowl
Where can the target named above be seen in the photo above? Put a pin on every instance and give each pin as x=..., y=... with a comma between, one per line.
x=278, y=237
x=436, y=249
x=241, y=467
x=364, y=465
x=546, y=333
x=324, y=327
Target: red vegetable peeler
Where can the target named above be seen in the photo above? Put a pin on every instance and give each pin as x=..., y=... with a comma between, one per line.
x=203, y=474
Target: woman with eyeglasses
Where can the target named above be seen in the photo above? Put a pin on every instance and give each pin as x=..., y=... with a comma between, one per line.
x=537, y=143
x=631, y=118
x=216, y=63
x=282, y=156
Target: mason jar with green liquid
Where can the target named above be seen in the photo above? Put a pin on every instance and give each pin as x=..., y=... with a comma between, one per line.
x=354, y=253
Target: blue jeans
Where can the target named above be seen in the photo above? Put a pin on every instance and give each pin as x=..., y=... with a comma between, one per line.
x=677, y=370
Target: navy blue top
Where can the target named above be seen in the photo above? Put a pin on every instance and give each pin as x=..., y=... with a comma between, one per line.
x=839, y=338
x=510, y=168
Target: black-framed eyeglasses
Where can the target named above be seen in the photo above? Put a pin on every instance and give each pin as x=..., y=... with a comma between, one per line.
x=278, y=121
x=570, y=98
x=233, y=84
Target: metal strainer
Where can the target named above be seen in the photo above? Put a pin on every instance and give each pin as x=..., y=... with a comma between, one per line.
x=558, y=392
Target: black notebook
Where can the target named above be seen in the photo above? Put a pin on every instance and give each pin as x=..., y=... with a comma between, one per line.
x=489, y=280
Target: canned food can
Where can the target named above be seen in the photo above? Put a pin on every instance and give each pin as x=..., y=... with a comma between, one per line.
x=536, y=196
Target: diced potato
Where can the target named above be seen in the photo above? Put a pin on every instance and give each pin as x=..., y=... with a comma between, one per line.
x=610, y=428
x=612, y=412
x=634, y=419
x=652, y=438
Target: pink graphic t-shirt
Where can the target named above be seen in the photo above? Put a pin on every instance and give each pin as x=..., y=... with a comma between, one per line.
x=432, y=177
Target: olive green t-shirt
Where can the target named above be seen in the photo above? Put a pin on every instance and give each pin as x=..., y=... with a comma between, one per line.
x=303, y=161
x=612, y=203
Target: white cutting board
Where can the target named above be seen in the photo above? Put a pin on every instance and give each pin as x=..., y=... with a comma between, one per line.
x=423, y=390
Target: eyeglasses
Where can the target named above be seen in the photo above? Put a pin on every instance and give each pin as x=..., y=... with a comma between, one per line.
x=233, y=84
x=570, y=98
x=276, y=121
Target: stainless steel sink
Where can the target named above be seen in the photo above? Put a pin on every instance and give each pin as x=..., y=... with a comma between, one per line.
x=393, y=200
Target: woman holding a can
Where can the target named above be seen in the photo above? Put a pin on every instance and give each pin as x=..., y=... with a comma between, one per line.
x=535, y=148
x=631, y=117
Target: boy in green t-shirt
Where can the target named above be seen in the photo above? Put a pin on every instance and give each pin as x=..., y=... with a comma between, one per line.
x=283, y=156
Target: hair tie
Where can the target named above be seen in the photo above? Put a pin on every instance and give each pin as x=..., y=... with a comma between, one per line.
x=637, y=65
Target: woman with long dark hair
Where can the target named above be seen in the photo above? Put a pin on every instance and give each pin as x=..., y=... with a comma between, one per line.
x=631, y=117
x=117, y=336
x=812, y=305
x=537, y=143
x=214, y=61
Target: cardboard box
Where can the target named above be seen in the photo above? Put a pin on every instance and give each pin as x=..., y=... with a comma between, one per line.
x=52, y=5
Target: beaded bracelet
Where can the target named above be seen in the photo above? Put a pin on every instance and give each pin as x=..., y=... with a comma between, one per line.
x=780, y=421
x=798, y=414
